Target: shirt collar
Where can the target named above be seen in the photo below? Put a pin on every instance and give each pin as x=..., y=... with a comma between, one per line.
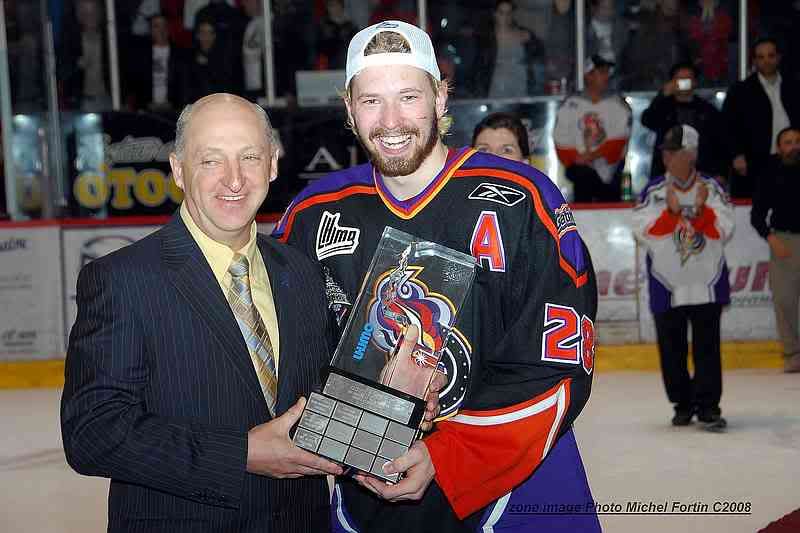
x=771, y=84
x=218, y=255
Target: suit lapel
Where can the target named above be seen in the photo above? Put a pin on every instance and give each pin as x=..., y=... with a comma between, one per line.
x=189, y=271
x=280, y=280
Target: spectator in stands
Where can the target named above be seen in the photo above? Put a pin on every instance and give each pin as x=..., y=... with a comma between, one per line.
x=158, y=71
x=560, y=47
x=25, y=56
x=381, y=10
x=229, y=22
x=208, y=70
x=776, y=218
x=591, y=134
x=504, y=135
x=253, y=49
x=683, y=220
x=709, y=27
x=144, y=10
x=333, y=33
x=655, y=44
x=677, y=103
x=755, y=110
x=606, y=31
x=83, y=61
x=291, y=44
x=508, y=55
x=454, y=30
x=190, y=9
x=173, y=11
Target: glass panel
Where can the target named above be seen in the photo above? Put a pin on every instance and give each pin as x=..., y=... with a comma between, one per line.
x=505, y=50
x=84, y=75
x=24, y=29
x=28, y=107
x=315, y=73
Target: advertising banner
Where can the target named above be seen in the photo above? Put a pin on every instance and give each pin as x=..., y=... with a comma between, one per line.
x=82, y=245
x=607, y=233
x=31, y=320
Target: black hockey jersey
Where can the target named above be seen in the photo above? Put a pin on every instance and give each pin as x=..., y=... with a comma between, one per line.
x=520, y=364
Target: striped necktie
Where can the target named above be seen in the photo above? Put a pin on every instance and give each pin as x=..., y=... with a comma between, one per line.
x=252, y=326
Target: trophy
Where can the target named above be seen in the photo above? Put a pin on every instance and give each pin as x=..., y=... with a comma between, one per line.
x=372, y=401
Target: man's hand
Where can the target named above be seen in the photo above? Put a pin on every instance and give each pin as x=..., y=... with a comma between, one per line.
x=778, y=247
x=585, y=158
x=432, y=400
x=419, y=469
x=673, y=204
x=271, y=453
x=740, y=164
x=701, y=196
x=669, y=88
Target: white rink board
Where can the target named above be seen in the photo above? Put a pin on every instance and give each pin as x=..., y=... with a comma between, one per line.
x=39, y=269
x=31, y=318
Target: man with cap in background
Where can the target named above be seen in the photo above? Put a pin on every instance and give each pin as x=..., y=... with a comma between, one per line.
x=520, y=359
x=591, y=135
x=683, y=219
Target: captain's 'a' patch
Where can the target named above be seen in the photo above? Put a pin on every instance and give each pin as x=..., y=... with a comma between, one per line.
x=499, y=194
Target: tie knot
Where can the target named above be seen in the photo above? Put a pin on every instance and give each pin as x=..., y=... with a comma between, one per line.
x=239, y=266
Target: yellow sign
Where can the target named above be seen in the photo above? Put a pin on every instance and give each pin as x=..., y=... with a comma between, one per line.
x=125, y=188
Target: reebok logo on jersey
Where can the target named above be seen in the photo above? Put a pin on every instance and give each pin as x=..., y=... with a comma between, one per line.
x=499, y=194
x=333, y=239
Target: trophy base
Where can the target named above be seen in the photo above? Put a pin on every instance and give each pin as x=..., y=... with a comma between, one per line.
x=359, y=424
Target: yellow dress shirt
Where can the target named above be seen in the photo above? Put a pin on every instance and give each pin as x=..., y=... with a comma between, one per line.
x=219, y=257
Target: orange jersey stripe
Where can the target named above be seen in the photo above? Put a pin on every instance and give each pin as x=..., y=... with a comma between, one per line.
x=321, y=199
x=409, y=213
x=514, y=449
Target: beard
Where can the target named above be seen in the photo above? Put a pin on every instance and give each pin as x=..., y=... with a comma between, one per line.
x=791, y=158
x=393, y=167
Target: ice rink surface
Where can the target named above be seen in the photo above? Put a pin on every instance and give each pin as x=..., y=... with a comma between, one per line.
x=631, y=453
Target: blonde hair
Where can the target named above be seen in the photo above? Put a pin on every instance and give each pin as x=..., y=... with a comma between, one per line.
x=387, y=42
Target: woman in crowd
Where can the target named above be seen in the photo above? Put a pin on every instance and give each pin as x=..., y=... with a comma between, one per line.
x=502, y=134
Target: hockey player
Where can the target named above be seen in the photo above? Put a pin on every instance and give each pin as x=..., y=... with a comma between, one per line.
x=684, y=220
x=519, y=362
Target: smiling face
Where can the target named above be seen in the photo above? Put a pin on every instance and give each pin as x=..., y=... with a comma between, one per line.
x=499, y=141
x=225, y=167
x=395, y=114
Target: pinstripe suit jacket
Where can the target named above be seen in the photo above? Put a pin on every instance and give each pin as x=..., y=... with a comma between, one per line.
x=160, y=390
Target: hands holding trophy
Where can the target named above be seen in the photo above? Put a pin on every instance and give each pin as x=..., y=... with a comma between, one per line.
x=372, y=405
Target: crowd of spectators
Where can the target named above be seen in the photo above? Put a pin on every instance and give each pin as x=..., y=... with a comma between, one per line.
x=172, y=52
x=490, y=48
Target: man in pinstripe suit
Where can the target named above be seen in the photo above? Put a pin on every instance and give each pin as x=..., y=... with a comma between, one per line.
x=160, y=391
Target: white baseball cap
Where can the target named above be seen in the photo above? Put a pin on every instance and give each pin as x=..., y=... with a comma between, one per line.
x=421, y=56
x=681, y=137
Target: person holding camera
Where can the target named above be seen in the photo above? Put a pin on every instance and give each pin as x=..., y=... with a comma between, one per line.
x=676, y=103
